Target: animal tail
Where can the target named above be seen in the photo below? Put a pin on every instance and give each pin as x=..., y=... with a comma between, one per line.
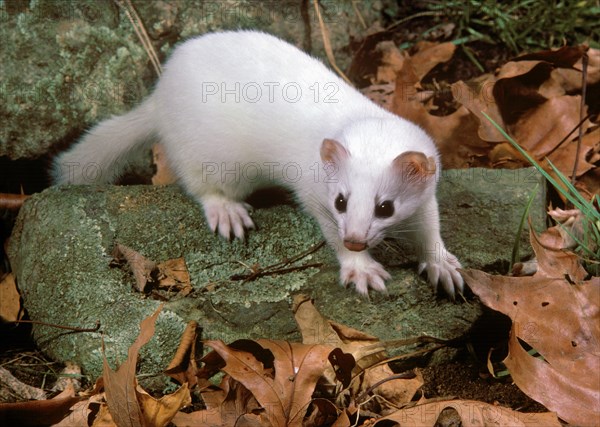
x=105, y=151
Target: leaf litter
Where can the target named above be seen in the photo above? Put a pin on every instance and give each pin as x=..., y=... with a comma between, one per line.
x=265, y=383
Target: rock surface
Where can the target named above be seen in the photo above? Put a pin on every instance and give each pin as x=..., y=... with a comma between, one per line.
x=62, y=241
x=68, y=64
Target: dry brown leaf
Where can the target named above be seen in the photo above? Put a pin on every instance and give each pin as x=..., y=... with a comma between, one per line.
x=225, y=405
x=286, y=396
x=572, y=227
x=564, y=157
x=555, y=262
x=391, y=62
x=561, y=320
x=38, y=412
x=164, y=174
x=382, y=95
x=456, y=135
x=174, y=274
x=564, y=57
x=160, y=412
x=513, y=69
x=80, y=412
x=472, y=414
x=593, y=71
x=141, y=267
x=103, y=418
x=120, y=385
x=479, y=102
x=183, y=366
x=504, y=155
x=12, y=201
x=517, y=95
x=541, y=129
x=315, y=329
x=10, y=300
x=430, y=54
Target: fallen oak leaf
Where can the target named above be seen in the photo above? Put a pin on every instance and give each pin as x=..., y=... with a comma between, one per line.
x=367, y=351
x=555, y=262
x=456, y=135
x=300, y=366
x=225, y=405
x=517, y=94
x=563, y=157
x=472, y=414
x=141, y=267
x=286, y=395
x=480, y=100
x=86, y=410
x=12, y=202
x=183, y=366
x=174, y=273
x=10, y=299
x=429, y=55
x=391, y=62
x=561, y=321
x=564, y=57
x=160, y=412
x=541, y=130
x=39, y=412
x=120, y=385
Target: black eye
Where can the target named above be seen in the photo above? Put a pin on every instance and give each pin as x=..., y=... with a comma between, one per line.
x=384, y=209
x=340, y=203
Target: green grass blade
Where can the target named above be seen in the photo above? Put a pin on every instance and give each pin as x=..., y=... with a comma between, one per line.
x=515, y=252
x=574, y=200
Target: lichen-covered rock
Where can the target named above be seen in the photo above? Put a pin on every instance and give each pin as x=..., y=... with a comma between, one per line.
x=65, y=65
x=61, y=245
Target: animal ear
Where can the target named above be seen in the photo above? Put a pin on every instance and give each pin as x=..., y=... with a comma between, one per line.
x=333, y=152
x=414, y=166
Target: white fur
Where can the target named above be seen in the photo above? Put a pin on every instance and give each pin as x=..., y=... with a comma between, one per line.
x=224, y=140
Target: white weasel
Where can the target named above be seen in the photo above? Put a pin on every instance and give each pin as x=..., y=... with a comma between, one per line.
x=237, y=111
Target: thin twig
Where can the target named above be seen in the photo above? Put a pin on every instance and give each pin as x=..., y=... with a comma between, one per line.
x=279, y=267
x=69, y=328
x=141, y=32
x=327, y=44
x=584, y=65
x=359, y=15
x=562, y=141
x=402, y=376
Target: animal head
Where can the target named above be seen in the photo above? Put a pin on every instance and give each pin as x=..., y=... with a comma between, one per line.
x=374, y=188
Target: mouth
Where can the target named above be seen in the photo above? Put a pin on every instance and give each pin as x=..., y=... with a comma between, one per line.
x=355, y=246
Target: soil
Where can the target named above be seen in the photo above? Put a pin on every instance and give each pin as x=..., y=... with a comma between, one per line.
x=468, y=381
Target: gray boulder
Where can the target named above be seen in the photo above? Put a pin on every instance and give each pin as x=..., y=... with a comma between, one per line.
x=61, y=248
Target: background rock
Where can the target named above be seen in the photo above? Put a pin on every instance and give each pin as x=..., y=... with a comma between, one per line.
x=61, y=245
x=65, y=65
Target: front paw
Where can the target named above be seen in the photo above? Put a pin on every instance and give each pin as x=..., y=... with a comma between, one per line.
x=443, y=272
x=227, y=216
x=364, y=272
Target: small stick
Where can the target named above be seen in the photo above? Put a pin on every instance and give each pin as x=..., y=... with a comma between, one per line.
x=69, y=328
x=584, y=65
x=278, y=267
x=327, y=44
x=402, y=376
